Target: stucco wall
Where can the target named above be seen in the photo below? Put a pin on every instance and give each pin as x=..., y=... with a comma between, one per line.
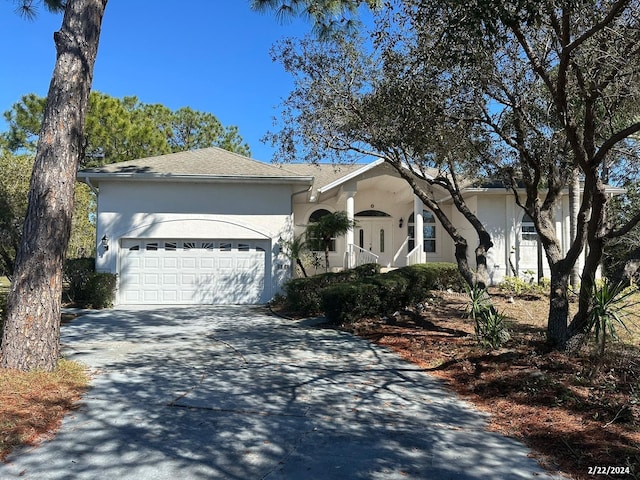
x=194, y=210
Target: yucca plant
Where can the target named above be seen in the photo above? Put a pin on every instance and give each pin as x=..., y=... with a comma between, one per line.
x=489, y=324
x=611, y=304
x=478, y=303
x=492, y=329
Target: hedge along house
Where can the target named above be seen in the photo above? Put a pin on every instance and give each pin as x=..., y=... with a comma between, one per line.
x=207, y=226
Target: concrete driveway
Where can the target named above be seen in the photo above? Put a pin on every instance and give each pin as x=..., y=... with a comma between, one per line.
x=235, y=393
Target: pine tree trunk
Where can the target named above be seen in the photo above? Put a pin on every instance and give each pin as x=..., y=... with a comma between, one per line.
x=31, y=337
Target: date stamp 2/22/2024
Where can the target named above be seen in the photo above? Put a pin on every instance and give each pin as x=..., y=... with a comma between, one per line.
x=608, y=470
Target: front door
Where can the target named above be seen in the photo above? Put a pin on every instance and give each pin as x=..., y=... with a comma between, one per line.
x=374, y=235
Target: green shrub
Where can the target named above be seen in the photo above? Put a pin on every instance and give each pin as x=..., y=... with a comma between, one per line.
x=492, y=329
x=346, y=302
x=518, y=286
x=489, y=324
x=87, y=288
x=304, y=295
x=381, y=294
x=100, y=290
x=76, y=273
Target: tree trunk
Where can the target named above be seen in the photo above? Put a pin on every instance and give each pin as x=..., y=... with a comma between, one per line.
x=300, y=264
x=31, y=337
x=558, y=307
x=574, y=208
x=595, y=239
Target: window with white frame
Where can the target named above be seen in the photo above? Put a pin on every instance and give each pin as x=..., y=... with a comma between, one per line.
x=428, y=231
x=528, y=232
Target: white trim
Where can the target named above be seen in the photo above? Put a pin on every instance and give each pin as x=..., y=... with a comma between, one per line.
x=350, y=176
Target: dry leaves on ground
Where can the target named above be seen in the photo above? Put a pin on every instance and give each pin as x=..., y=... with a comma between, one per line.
x=574, y=410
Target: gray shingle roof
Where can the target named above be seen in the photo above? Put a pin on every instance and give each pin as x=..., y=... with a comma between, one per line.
x=323, y=174
x=210, y=162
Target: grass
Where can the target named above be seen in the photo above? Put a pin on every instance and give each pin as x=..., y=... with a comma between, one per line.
x=33, y=404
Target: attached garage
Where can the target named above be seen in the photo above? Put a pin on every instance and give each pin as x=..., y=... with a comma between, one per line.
x=193, y=271
x=201, y=227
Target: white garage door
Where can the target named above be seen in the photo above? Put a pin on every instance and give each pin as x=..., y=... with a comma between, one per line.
x=189, y=272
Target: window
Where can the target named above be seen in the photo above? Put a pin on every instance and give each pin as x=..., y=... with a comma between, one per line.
x=207, y=245
x=428, y=231
x=243, y=247
x=225, y=246
x=314, y=217
x=170, y=246
x=382, y=240
x=528, y=229
x=152, y=246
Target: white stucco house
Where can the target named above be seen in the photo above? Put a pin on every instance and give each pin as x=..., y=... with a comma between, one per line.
x=206, y=226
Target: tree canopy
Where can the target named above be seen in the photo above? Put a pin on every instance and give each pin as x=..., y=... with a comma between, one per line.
x=528, y=92
x=125, y=129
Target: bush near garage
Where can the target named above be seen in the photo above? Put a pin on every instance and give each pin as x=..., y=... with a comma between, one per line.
x=389, y=292
x=304, y=295
x=86, y=288
x=364, y=291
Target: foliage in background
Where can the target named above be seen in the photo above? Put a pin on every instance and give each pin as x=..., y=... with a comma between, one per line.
x=14, y=185
x=14, y=189
x=328, y=17
x=117, y=129
x=612, y=302
x=518, y=286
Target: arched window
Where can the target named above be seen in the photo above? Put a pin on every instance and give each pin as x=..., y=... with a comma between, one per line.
x=428, y=231
x=316, y=216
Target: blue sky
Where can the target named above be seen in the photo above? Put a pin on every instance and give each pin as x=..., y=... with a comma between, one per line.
x=212, y=56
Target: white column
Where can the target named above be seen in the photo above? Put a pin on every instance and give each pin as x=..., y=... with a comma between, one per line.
x=349, y=236
x=418, y=222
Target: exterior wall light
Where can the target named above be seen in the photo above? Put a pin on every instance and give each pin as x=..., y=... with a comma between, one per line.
x=401, y=222
x=105, y=243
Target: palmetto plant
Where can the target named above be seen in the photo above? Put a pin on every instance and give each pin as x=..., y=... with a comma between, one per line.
x=611, y=303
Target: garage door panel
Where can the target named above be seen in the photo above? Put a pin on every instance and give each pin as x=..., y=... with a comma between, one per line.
x=170, y=262
x=193, y=271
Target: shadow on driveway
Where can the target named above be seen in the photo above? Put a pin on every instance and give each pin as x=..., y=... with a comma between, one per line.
x=235, y=393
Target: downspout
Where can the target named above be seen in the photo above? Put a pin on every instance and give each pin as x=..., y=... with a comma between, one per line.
x=88, y=182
